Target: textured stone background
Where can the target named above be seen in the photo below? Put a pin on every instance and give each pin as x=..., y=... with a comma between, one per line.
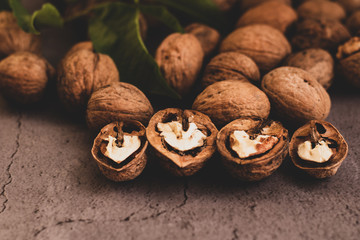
x=50, y=188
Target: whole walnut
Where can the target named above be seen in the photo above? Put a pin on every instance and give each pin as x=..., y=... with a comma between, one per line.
x=180, y=58
x=247, y=4
x=228, y=100
x=321, y=9
x=317, y=62
x=24, y=77
x=230, y=65
x=295, y=95
x=208, y=37
x=350, y=5
x=13, y=38
x=266, y=45
x=353, y=22
x=87, y=45
x=349, y=61
x=274, y=13
x=225, y=5
x=118, y=101
x=319, y=33
x=80, y=74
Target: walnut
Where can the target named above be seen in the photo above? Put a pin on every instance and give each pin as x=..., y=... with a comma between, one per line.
x=81, y=73
x=317, y=62
x=208, y=37
x=296, y=95
x=318, y=149
x=180, y=58
x=353, y=22
x=274, y=13
x=266, y=45
x=14, y=39
x=120, y=150
x=252, y=149
x=24, y=77
x=247, y=4
x=225, y=5
x=117, y=102
x=350, y=5
x=230, y=65
x=86, y=45
x=228, y=100
x=182, y=140
x=321, y=9
x=349, y=61
x=319, y=33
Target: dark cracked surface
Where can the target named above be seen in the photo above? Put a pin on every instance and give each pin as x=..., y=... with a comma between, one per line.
x=50, y=188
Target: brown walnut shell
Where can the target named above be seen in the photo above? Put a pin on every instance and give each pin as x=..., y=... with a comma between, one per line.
x=350, y=5
x=86, y=45
x=117, y=102
x=247, y=4
x=274, y=13
x=230, y=65
x=14, y=39
x=317, y=62
x=225, y=5
x=131, y=167
x=180, y=58
x=80, y=74
x=259, y=166
x=266, y=45
x=321, y=9
x=353, y=22
x=328, y=131
x=24, y=77
x=208, y=37
x=319, y=33
x=349, y=61
x=181, y=163
x=296, y=95
x=228, y=100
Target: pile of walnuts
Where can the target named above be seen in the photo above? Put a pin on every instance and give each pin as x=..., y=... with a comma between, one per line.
x=271, y=72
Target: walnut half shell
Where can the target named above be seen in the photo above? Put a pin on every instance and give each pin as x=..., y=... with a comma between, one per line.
x=134, y=164
x=262, y=163
x=182, y=163
x=314, y=131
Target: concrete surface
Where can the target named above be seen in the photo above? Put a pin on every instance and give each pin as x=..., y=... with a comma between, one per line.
x=50, y=188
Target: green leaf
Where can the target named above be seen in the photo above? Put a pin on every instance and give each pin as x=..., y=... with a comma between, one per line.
x=201, y=10
x=114, y=30
x=163, y=15
x=47, y=16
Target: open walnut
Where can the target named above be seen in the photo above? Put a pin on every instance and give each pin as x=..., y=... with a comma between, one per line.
x=349, y=61
x=183, y=140
x=252, y=149
x=120, y=150
x=318, y=149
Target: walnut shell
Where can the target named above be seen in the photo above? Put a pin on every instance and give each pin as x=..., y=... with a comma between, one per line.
x=266, y=45
x=24, y=77
x=259, y=166
x=325, y=130
x=14, y=39
x=350, y=5
x=208, y=37
x=117, y=102
x=225, y=5
x=321, y=9
x=228, y=100
x=180, y=58
x=296, y=95
x=349, y=61
x=353, y=22
x=182, y=163
x=80, y=74
x=131, y=167
x=319, y=33
x=87, y=45
x=247, y=4
x=230, y=65
x=274, y=13
x=317, y=62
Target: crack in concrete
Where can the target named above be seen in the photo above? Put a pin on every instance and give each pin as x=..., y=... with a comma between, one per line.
x=10, y=178
x=60, y=223
x=235, y=234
